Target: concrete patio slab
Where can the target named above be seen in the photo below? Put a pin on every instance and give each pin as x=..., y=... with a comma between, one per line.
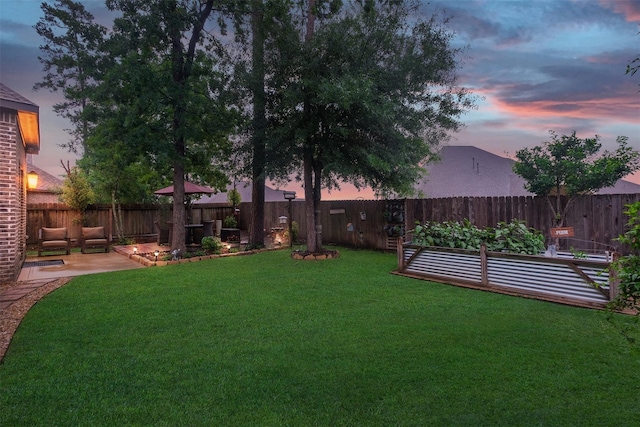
x=77, y=264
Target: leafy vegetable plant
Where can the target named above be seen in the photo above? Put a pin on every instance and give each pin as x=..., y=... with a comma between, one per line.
x=514, y=237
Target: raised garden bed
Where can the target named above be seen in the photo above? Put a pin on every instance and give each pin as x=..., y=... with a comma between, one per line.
x=572, y=281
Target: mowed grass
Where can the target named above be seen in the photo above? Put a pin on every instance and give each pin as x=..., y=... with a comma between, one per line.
x=265, y=340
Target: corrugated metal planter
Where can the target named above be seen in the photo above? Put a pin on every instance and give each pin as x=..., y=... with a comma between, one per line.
x=572, y=281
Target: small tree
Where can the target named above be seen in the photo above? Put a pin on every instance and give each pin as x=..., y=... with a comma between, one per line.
x=571, y=166
x=234, y=197
x=76, y=191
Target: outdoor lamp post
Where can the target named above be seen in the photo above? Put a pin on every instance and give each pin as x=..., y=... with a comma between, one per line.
x=32, y=180
x=156, y=253
x=135, y=250
x=290, y=195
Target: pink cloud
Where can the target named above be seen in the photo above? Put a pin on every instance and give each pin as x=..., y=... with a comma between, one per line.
x=629, y=8
x=620, y=109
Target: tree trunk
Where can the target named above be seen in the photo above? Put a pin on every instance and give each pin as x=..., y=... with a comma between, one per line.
x=256, y=236
x=178, y=235
x=309, y=187
x=309, y=197
x=317, y=193
x=117, y=217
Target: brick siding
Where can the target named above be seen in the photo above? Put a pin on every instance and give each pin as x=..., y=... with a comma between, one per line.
x=12, y=198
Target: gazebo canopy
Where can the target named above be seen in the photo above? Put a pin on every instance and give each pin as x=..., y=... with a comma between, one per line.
x=189, y=188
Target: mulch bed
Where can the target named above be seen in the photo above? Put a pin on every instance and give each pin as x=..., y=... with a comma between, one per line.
x=306, y=255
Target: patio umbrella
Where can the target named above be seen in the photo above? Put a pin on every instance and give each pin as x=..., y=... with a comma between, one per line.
x=189, y=188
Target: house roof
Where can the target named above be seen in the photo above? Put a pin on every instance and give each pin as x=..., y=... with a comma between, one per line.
x=28, y=117
x=244, y=188
x=467, y=171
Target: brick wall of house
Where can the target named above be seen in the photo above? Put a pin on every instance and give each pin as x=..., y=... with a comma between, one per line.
x=12, y=197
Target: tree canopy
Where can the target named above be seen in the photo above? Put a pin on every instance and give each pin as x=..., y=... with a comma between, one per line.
x=335, y=91
x=70, y=55
x=371, y=94
x=156, y=104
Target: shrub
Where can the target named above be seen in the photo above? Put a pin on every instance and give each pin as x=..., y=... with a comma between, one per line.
x=230, y=222
x=514, y=237
x=212, y=245
x=628, y=267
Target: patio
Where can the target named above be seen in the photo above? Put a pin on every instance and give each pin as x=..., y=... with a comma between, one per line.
x=76, y=264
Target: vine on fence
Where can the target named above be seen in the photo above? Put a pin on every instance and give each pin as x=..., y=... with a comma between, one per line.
x=514, y=237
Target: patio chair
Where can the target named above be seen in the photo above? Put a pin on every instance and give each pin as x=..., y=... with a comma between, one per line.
x=53, y=239
x=94, y=237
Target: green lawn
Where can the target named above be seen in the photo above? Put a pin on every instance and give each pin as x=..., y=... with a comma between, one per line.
x=265, y=340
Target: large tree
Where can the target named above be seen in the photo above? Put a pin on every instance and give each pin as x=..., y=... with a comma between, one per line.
x=572, y=166
x=70, y=58
x=372, y=94
x=166, y=92
x=263, y=29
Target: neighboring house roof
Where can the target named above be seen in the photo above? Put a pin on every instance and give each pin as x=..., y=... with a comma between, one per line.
x=46, y=181
x=467, y=171
x=28, y=117
x=621, y=187
x=244, y=188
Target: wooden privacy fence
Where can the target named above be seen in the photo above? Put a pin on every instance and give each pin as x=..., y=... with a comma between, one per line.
x=138, y=220
x=596, y=220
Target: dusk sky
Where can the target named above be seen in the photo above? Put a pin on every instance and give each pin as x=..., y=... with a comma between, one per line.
x=539, y=65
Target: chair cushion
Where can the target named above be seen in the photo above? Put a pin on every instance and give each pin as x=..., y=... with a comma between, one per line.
x=54, y=233
x=92, y=233
x=95, y=242
x=55, y=244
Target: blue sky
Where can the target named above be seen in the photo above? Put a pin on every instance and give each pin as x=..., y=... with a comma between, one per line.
x=539, y=65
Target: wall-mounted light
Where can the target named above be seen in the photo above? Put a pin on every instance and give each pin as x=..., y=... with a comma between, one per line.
x=32, y=180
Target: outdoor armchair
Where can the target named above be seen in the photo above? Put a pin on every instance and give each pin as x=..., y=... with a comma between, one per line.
x=94, y=237
x=53, y=239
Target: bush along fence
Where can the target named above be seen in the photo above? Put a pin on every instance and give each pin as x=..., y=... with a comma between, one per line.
x=576, y=281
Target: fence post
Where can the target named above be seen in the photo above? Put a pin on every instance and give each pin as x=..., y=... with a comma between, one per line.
x=400, y=251
x=484, y=273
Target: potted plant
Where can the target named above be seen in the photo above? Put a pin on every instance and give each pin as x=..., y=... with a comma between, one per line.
x=230, y=231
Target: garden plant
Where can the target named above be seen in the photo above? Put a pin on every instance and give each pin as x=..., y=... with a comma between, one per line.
x=627, y=269
x=514, y=237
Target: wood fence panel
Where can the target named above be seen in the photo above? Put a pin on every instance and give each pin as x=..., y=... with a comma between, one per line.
x=597, y=220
